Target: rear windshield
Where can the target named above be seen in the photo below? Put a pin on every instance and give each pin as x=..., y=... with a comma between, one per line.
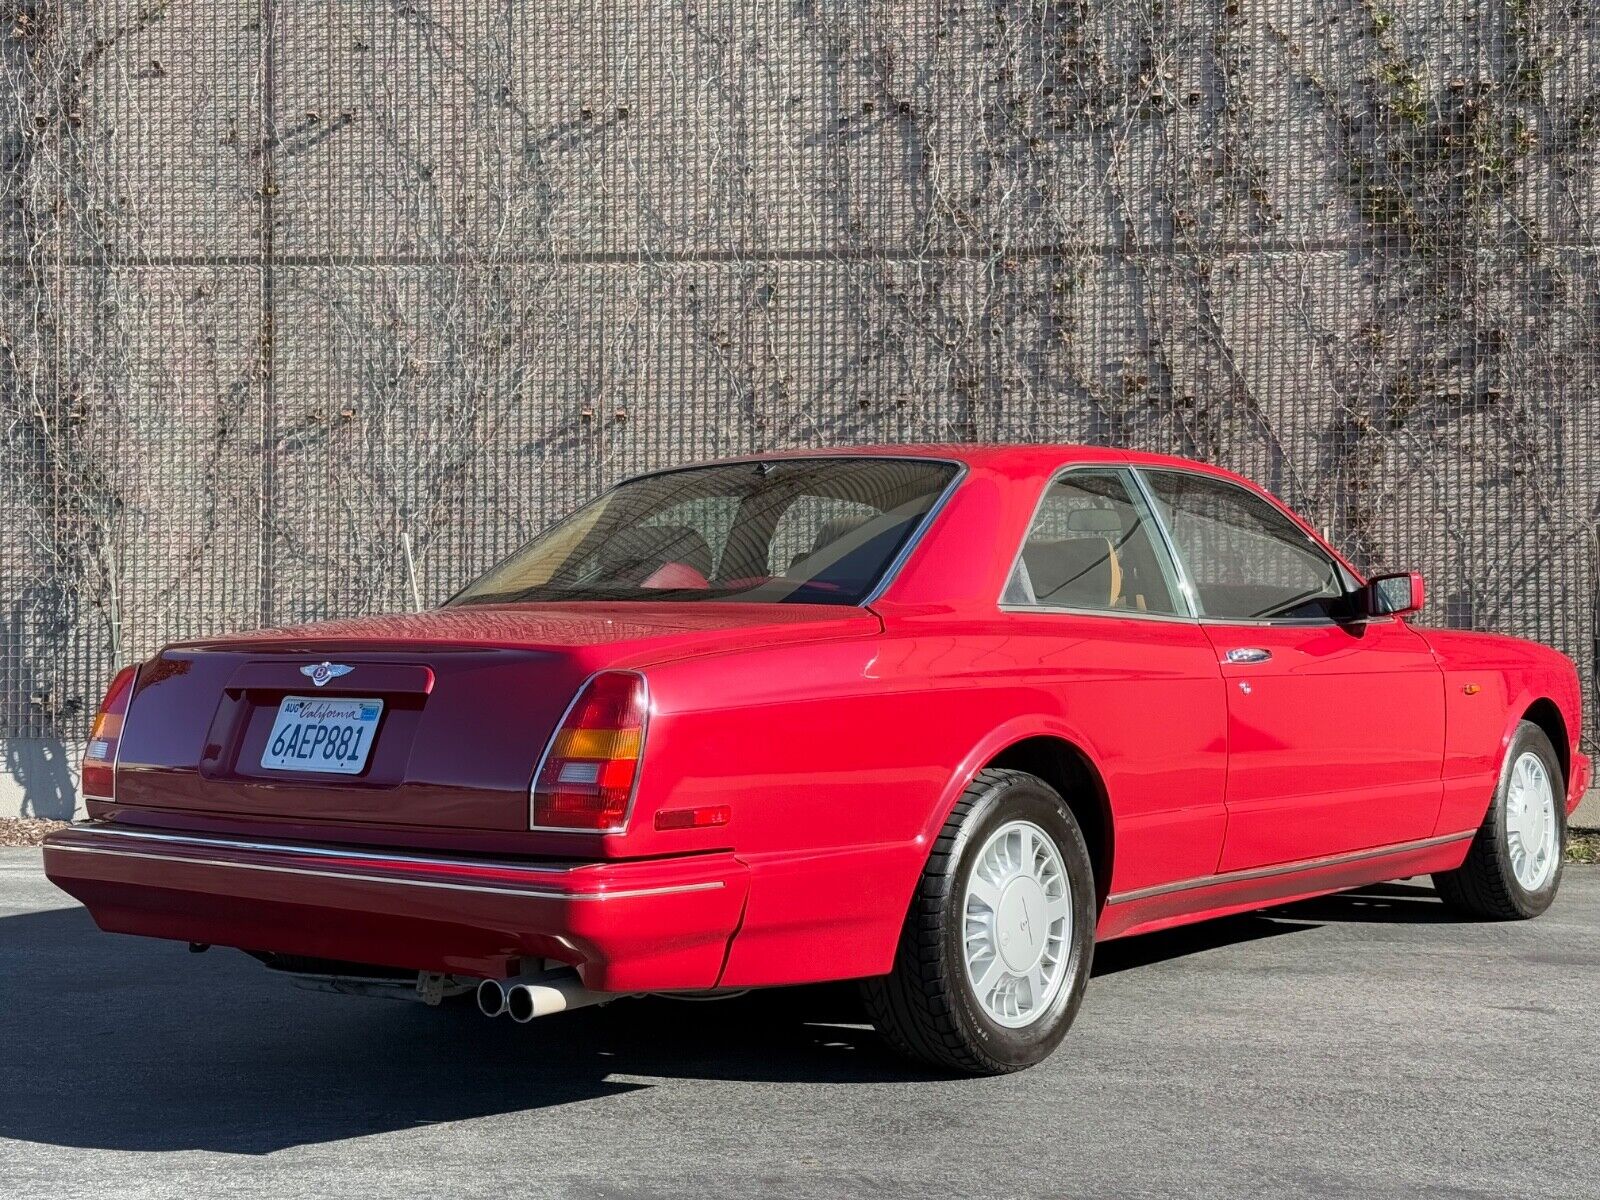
x=803, y=531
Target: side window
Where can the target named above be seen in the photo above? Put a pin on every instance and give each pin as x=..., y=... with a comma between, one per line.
x=1244, y=558
x=810, y=525
x=1092, y=547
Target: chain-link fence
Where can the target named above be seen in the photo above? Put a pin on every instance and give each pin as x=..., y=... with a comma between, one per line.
x=284, y=281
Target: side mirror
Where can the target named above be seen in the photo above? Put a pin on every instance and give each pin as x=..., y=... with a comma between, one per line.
x=1394, y=595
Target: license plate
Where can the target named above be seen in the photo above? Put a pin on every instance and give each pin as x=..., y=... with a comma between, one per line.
x=316, y=734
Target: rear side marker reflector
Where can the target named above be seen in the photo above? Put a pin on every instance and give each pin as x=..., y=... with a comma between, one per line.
x=693, y=818
x=586, y=780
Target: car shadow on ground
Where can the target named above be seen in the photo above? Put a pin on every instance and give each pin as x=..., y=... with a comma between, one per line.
x=131, y=1044
x=1384, y=903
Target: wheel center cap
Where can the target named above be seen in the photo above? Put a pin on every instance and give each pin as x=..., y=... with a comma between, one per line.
x=1020, y=924
x=1532, y=824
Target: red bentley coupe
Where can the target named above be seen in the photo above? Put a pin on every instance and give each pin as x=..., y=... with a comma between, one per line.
x=933, y=718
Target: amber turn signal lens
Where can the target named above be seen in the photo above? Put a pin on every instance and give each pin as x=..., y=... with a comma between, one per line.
x=587, y=778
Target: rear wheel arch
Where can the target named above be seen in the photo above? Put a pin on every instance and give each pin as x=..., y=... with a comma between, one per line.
x=1068, y=769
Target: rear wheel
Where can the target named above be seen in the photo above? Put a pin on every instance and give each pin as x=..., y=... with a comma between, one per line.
x=1514, y=866
x=996, y=948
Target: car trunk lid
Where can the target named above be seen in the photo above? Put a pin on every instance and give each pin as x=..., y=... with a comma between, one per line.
x=467, y=699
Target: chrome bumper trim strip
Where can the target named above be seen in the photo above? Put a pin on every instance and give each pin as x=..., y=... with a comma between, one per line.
x=312, y=853
x=376, y=854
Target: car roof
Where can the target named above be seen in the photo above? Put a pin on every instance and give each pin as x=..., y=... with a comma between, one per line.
x=1001, y=458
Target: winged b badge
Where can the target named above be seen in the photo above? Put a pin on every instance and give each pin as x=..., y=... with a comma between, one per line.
x=320, y=673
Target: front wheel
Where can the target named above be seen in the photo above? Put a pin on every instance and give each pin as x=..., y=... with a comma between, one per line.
x=1514, y=865
x=999, y=939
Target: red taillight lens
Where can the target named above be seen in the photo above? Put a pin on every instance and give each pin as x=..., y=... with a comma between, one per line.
x=587, y=777
x=100, y=755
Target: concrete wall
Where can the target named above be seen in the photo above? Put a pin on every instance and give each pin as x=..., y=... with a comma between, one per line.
x=39, y=778
x=279, y=282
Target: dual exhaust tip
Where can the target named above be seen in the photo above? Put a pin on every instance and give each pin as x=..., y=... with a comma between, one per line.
x=536, y=996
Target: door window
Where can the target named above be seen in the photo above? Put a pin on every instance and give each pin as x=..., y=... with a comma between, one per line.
x=1245, y=559
x=1092, y=546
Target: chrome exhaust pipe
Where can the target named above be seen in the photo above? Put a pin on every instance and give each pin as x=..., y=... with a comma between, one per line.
x=559, y=991
x=491, y=997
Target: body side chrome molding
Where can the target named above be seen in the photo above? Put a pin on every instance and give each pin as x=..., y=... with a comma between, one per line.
x=1289, y=868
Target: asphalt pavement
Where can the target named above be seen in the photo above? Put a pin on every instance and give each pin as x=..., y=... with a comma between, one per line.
x=1363, y=1044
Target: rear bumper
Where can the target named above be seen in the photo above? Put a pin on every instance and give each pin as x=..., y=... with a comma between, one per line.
x=649, y=925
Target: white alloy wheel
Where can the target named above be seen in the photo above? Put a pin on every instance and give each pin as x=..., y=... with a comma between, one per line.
x=1017, y=924
x=1532, y=827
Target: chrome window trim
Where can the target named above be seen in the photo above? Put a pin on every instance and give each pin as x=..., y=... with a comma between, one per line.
x=638, y=770
x=884, y=580
x=1063, y=610
x=1311, y=622
x=1185, y=584
x=1252, y=622
x=1137, y=494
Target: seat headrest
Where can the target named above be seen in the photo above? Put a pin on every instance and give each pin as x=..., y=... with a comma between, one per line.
x=1076, y=572
x=634, y=554
x=831, y=531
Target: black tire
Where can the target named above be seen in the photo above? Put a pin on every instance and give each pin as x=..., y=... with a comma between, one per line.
x=927, y=1007
x=1486, y=886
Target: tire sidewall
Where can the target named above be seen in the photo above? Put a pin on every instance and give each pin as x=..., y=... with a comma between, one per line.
x=1021, y=798
x=1530, y=739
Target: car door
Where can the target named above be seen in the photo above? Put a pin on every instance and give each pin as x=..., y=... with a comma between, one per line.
x=1335, y=725
x=1097, y=624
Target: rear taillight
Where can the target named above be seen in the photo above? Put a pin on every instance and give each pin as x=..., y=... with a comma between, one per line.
x=100, y=755
x=587, y=778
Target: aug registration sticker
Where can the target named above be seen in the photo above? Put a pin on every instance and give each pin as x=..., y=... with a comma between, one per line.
x=316, y=734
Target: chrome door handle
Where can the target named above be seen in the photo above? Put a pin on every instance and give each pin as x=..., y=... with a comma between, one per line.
x=1248, y=654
